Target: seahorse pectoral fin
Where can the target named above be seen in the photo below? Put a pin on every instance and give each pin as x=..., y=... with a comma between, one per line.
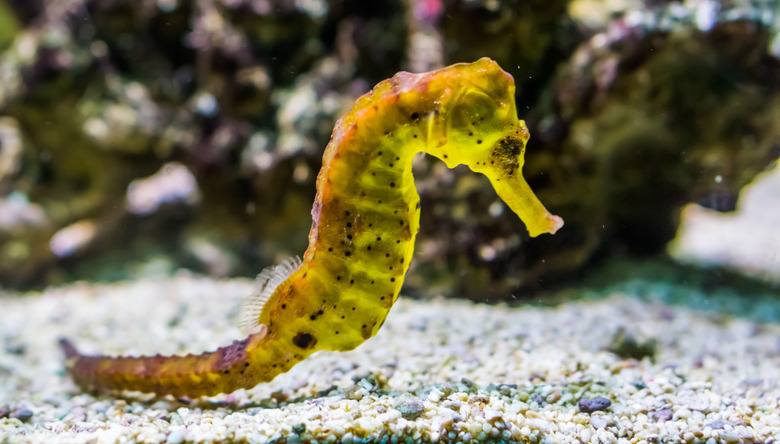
x=514, y=190
x=267, y=283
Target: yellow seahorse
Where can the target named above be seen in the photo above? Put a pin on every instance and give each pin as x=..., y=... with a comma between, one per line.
x=365, y=217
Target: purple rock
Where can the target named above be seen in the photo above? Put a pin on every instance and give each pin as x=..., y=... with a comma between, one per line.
x=592, y=405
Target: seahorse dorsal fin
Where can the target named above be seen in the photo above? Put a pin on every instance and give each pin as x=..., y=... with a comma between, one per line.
x=267, y=282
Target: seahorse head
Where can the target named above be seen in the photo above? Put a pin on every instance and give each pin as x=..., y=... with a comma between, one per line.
x=480, y=129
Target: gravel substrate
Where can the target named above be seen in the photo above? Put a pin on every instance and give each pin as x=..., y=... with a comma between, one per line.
x=616, y=369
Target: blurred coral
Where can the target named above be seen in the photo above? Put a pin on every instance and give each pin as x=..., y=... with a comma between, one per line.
x=745, y=240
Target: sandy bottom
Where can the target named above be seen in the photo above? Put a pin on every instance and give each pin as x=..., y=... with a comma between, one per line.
x=616, y=369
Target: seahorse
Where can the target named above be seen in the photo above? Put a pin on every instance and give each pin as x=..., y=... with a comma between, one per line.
x=365, y=218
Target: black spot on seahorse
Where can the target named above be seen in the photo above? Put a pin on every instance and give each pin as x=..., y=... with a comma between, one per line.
x=304, y=340
x=507, y=153
x=366, y=331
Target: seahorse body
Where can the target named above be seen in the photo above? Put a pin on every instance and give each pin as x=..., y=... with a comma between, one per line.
x=365, y=218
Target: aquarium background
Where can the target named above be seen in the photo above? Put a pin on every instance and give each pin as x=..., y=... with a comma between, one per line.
x=141, y=138
x=155, y=155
